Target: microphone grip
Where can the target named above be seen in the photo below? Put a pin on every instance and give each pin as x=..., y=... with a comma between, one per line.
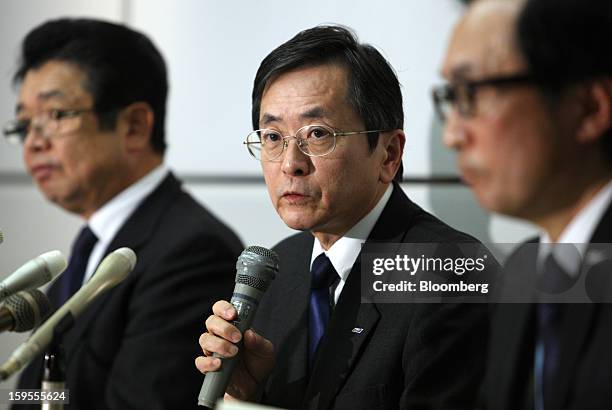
x=245, y=300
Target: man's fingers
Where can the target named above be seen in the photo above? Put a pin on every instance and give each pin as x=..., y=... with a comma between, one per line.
x=221, y=328
x=258, y=345
x=224, y=309
x=207, y=364
x=229, y=397
x=213, y=344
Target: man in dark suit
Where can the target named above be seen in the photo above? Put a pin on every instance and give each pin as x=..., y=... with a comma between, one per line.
x=328, y=114
x=528, y=107
x=90, y=116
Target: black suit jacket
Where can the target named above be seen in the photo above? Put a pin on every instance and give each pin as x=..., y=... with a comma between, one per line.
x=585, y=369
x=407, y=356
x=134, y=347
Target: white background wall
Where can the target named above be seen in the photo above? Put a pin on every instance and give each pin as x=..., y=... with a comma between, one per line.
x=213, y=49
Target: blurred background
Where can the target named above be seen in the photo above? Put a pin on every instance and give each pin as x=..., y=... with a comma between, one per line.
x=213, y=49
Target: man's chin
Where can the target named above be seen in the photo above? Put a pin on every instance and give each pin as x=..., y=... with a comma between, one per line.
x=50, y=194
x=499, y=204
x=297, y=222
x=297, y=226
x=61, y=200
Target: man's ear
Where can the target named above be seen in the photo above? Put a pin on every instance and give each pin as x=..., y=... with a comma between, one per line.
x=393, y=148
x=136, y=122
x=597, y=117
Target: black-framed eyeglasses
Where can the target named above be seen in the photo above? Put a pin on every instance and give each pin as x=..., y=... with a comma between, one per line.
x=49, y=123
x=462, y=94
x=313, y=140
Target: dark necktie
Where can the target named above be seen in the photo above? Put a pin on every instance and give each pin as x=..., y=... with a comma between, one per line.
x=553, y=280
x=323, y=276
x=71, y=280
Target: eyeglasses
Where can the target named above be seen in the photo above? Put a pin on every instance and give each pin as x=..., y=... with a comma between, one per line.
x=462, y=95
x=313, y=140
x=48, y=123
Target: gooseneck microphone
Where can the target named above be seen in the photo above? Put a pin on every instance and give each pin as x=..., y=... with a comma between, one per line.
x=255, y=269
x=33, y=273
x=24, y=310
x=112, y=270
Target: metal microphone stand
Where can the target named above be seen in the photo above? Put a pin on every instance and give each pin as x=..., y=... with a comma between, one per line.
x=54, y=370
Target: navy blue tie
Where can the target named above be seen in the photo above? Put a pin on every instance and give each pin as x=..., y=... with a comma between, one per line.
x=553, y=280
x=71, y=280
x=323, y=276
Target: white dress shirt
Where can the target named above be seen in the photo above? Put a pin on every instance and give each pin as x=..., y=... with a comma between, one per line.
x=106, y=221
x=578, y=232
x=343, y=253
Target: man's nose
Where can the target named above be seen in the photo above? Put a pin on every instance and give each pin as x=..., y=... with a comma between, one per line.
x=35, y=139
x=454, y=135
x=295, y=162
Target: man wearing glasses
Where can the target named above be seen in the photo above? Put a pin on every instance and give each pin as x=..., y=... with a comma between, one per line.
x=328, y=116
x=90, y=115
x=528, y=108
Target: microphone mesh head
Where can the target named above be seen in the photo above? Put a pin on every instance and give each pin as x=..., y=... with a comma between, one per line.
x=1, y=237
x=256, y=267
x=28, y=308
x=252, y=281
x=271, y=256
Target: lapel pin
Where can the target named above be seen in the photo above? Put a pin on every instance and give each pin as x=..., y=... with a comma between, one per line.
x=357, y=330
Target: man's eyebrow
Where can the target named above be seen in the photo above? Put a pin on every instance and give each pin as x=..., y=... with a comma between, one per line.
x=44, y=96
x=312, y=113
x=316, y=112
x=268, y=118
x=461, y=71
x=51, y=94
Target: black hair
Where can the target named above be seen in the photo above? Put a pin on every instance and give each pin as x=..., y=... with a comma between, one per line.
x=565, y=42
x=373, y=87
x=122, y=66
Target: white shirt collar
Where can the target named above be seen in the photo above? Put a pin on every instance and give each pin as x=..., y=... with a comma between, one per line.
x=579, y=231
x=343, y=253
x=106, y=221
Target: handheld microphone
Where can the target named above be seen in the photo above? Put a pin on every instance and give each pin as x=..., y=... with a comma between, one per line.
x=255, y=270
x=24, y=310
x=33, y=273
x=112, y=270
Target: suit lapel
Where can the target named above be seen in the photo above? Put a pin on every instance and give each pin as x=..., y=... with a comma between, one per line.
x=294, y=310
x=512, y=327
x=578, y=321
x=291, y=312
x=514, y=351
x=133, y=234
x=603, y=232
x=353, y=322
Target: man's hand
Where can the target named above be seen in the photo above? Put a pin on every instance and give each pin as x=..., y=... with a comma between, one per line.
x=255, y=363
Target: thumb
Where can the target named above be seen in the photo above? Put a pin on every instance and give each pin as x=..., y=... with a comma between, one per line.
x=258, y=345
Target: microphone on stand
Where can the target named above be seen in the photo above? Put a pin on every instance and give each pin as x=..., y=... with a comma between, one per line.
x=33, y=273
x=112, y=270
x=23, y=311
